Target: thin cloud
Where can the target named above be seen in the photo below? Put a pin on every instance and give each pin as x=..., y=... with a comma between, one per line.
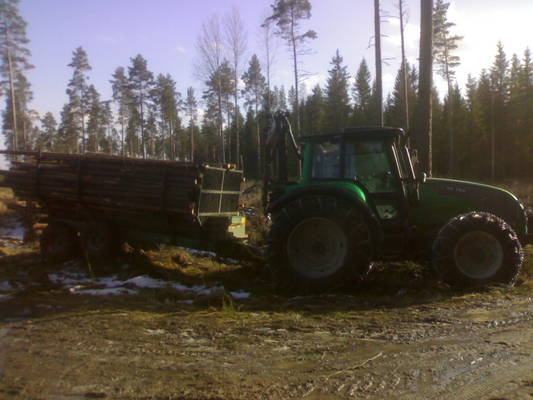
x=181, y=49
x=108, y=39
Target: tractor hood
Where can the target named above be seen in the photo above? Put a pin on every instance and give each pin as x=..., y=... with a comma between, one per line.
x=442, y=199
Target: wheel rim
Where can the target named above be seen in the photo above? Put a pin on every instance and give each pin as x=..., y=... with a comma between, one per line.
x=58, y=246
x=317, y=248
x=57, y=242
x=95, y=243
x=478, y=254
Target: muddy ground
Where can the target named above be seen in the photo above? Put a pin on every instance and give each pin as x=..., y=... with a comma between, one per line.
x=169, y=324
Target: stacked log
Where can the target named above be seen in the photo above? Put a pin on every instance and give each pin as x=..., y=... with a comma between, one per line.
x=67, y=185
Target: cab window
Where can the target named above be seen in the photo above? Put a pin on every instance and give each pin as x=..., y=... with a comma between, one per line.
x=368, y=162
x=326, y=160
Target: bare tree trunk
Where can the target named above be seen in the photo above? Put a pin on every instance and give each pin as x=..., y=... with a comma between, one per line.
x=259, y=172
x=143, y=144
x=237, y=127
x=404, y=68
x=451, y=161
x=170, y=140
x=12, y=92
x=122, y=136
x=492, y=140
x=379, y=85
x=192, y=142
x=423, y=138
x=82, y=112
x=220, y=129
x=267, y=44
x=296, y=85
x=24, y=133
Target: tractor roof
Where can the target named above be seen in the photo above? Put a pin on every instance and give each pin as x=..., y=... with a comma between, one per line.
x=361, y=132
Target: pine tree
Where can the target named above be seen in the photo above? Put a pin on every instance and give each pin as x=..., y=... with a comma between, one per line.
x=288, y=15
x=236, y=42
x=219, y=88
x=314, y=112
x=210, y=46
x=499, y=81
x=337, y=99
x=191, y=110
x=48, y=136
x=14, y=57
x=362, y=95
x=254, y=88
x=94, y=114
x=67, y=133
x=140, y=84
x=122, y=98
x=526, y=84
x=99, y=120
x=443, y=46
x=476, y=138
x=77, y=91
x=167, y=100
x=395, y=106
x=518, y=112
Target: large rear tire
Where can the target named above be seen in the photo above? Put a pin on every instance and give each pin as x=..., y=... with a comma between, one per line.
x=477, y=249
x=318, y=243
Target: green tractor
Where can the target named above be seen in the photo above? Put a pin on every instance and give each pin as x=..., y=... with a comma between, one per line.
x=359, y=200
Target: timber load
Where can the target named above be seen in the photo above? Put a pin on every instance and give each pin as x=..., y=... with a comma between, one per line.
x=164, y=196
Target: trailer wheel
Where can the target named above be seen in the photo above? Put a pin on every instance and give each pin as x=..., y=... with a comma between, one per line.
x=97, y=241
x=318, y=243
x=477, y=249
x=59, y=243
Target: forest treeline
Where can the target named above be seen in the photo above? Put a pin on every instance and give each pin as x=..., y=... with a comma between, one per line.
x=148, y=117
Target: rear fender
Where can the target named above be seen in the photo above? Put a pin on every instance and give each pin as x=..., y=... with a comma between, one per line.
x=344, y=194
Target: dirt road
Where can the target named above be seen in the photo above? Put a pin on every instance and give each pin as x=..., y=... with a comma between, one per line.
x=399, y=335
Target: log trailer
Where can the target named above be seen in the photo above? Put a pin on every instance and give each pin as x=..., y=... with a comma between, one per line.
x=95, y=202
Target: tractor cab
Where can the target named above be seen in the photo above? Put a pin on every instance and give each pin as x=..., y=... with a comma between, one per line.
x=374, y=160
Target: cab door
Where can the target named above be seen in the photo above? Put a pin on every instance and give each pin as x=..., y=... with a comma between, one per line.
x=374, y=164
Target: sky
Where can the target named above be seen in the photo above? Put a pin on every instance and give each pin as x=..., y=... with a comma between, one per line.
x=165, y=32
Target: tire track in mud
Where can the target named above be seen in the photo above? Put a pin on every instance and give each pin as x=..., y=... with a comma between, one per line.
x=476, y=381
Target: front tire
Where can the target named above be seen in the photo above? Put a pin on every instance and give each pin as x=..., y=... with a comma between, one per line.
x=477, y=249
x=318, y=243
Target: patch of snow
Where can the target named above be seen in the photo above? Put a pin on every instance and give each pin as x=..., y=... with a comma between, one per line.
x=203, y=291
x=155, y=332
x=105, y=291
x=198, y=253
x=78, y=282
x=240, y=295
x=13, y=228
x=69, y=277
x=297, y=298
x=146, y=282
x=6, y=286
